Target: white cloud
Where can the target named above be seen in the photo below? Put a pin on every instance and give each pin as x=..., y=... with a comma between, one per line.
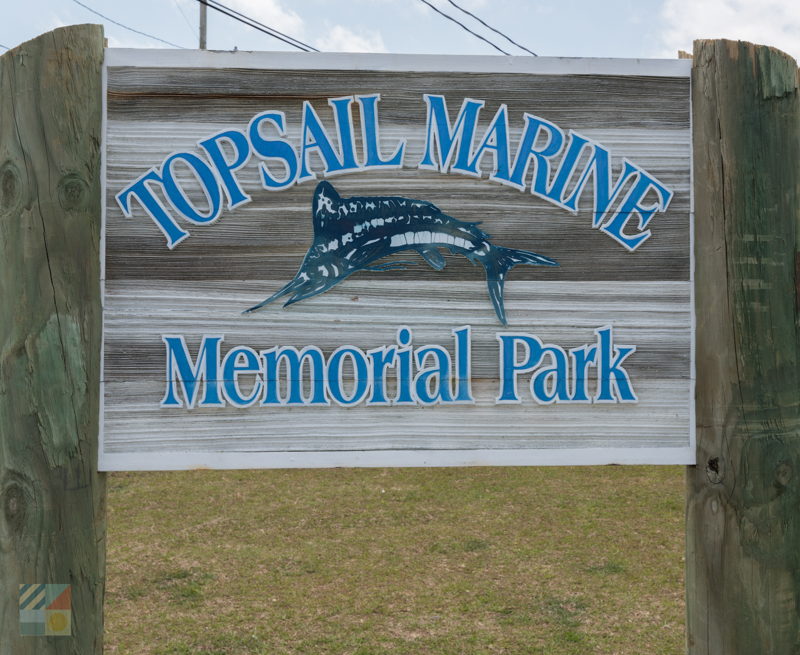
x=55, y=22
x=766, y=22
x=272, y=14
x=131, y=41
x=342, y=39
x=123, y=38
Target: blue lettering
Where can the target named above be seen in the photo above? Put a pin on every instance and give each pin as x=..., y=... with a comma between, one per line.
x=582, y=358
x=446, y=137
x=226, y=169
x=344, y=127
x=183, y=373
x=632, y=205
x=496, y=139
x=541, y=156
x=432, y=384
x=382, y=358
x=599, y=166
x=273, y=149
x=404, y=376
x=614, y=384
x=566, y=168
x=360, y=375
x=550, y=384
x=240, y=360
x=622, y=208
x=152, y=205
x=550, y=366
x=369, y=127
x=511, y=367
x=314, y=137
x=208, y=181
x=463, y=365
x=294, y=361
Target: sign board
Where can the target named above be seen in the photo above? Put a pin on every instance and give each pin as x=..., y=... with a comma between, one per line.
x=378, y=260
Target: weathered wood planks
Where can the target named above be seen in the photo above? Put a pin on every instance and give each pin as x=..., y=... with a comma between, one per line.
x=52, y=521
x=643, y=118
x=160, y=103
x=743, y=527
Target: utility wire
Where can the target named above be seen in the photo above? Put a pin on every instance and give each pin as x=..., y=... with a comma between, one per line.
x=192, y=28
x=256, y=24
x=464, y=27
x=251, y=22
x=4, y=46
x=496, y=31
x=130, y=29
x=248, y=21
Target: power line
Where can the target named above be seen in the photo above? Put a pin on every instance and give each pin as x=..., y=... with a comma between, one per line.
x=130, y=29
x=227, y=11
x=185, y=18
x=251, y=22
x=4, y=46
x=496, y=31
x=463, y=27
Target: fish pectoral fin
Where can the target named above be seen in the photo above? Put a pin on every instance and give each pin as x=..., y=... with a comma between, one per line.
x=389, y=266
x=309, y=291
x=288, y=288
x=434, y=258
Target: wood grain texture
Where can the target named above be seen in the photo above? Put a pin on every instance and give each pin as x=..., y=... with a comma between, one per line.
x=192, y=95
x=367, y=314
x=203, y=285
x=152, y=112
x=140, y=425
x=273, y=232
x=743, y=533
x=52, y=521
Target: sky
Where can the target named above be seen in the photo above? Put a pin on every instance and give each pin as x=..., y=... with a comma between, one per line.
x=564, y=28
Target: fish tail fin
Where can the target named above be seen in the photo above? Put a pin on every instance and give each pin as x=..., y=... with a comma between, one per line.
x=495, y=283
x=511, y=257
x=498, y=262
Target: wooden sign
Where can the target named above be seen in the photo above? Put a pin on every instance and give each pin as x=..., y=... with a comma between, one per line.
x=375, y=260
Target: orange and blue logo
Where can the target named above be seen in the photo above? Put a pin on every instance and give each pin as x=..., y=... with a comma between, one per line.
x=45, y=610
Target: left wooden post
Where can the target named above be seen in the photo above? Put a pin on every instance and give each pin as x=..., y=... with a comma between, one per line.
x=52, y=498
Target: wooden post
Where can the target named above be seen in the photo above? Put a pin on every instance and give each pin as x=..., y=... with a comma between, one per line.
x=743, y=511
x=52, y=499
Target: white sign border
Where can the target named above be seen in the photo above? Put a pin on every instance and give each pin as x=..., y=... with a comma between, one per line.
x=186, y=460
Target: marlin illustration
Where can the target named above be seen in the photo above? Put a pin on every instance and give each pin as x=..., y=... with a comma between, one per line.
x=351, y=233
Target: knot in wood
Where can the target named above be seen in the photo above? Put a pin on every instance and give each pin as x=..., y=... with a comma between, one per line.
x=19, y=506
x=10, y=187
x=783, y=474
x=72, y=192
x=715, y=470
x=15, y=503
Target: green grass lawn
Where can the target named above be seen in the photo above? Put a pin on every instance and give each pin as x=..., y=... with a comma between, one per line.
x=550, y=561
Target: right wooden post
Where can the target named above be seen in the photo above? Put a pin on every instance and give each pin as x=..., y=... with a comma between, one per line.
x=743, y=503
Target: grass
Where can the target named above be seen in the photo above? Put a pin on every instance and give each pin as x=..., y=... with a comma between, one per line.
x=534, y=561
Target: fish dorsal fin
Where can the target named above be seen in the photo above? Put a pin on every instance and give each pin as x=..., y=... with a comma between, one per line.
x=325, y=206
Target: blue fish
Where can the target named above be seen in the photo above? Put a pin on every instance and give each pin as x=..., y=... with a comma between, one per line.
x=352, y=233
